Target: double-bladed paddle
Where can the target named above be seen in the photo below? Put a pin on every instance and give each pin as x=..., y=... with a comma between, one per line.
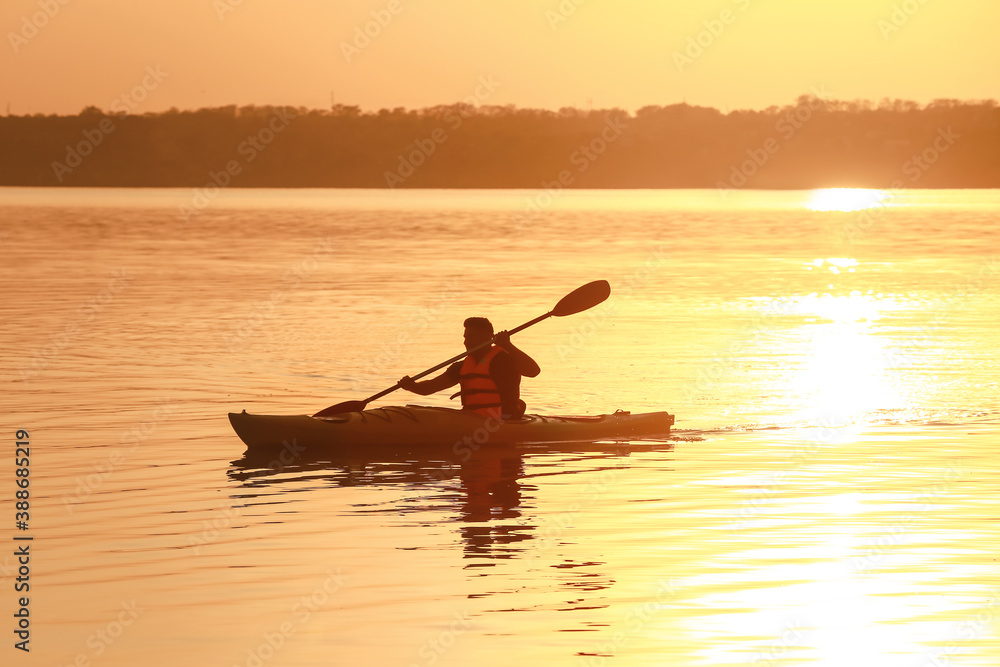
x=580, y=299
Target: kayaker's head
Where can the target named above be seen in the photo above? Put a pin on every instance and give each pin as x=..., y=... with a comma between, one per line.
x=478, y=330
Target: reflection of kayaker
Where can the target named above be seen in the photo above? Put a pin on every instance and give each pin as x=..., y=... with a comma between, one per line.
x=490, y=481
x=490, y=376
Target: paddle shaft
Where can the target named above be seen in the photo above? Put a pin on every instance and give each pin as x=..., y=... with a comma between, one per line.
x=513, y=331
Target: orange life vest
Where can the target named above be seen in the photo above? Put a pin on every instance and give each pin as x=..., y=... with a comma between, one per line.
x=479, y=392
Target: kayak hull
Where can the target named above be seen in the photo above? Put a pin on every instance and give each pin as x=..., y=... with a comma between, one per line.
x=428, y=426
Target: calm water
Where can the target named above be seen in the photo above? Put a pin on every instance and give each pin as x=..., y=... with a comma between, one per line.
x=829, y=497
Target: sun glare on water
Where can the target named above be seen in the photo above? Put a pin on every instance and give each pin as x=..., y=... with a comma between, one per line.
x=844, y=199
x=846, y=374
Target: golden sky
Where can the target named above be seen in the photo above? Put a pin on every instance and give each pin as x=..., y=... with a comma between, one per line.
x=62, y=55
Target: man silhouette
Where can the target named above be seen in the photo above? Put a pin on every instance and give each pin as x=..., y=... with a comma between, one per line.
x=490, y=377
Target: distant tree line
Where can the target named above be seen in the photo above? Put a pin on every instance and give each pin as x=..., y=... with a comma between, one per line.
x=811, y=143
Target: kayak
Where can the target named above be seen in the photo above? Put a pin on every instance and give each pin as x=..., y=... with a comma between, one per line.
x=414, y=425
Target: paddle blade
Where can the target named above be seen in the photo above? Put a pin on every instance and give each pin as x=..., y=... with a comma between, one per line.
x=341, y=408
x=583, y=298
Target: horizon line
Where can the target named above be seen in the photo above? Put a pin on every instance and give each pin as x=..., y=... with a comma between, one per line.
x=866, y=104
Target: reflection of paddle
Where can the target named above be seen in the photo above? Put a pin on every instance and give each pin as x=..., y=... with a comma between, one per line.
x=580, y=299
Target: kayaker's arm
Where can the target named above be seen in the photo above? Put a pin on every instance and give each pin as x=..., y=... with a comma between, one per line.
x=427, y=387
x=508, y=382
x=525, y=365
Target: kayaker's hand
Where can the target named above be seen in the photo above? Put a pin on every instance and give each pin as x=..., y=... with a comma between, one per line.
x=408, y=383
x=503, y=340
